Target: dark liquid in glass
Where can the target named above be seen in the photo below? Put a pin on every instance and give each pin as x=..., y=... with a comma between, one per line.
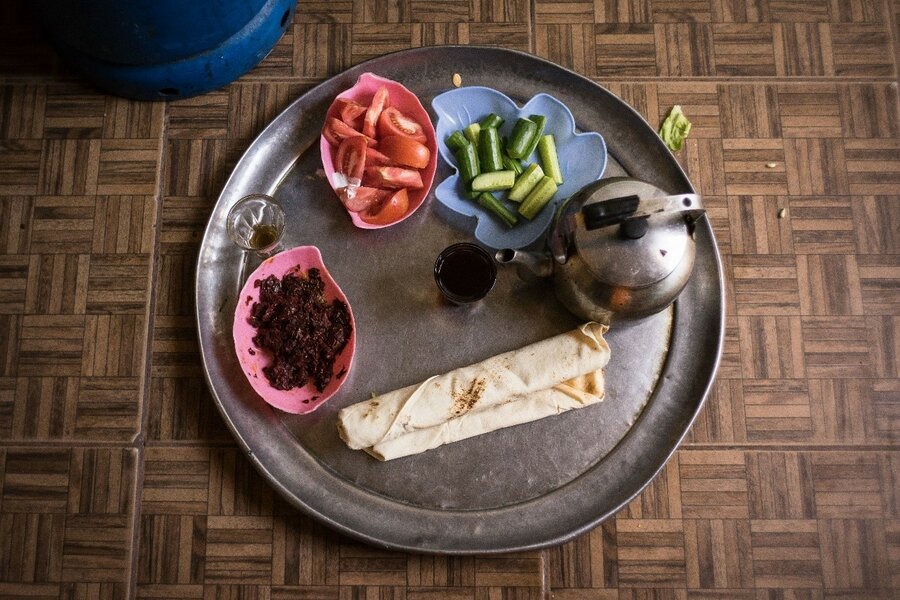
x=465, y=272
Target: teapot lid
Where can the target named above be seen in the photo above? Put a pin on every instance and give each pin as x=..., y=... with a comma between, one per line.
x=630, y=233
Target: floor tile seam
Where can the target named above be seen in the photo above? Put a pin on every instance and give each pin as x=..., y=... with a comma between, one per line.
x=63, y=444
x=218, y=445
x=895, y=40
x=250, y=79
x=734, y=80
x=764, y=447
x=737, y=80
x=546, y=588
x=153, y=276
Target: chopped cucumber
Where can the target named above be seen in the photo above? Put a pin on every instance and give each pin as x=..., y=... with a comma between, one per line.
x=456, y=141
x=538, y=197
x=488, y=202
x=549, y=158
x=472, y=131
x=540, y=121
x=467, y=159
x=492, y=120
x=526, y=182
x=520, y=139
x=511, y=164
x=489, y=150
x=492, y=182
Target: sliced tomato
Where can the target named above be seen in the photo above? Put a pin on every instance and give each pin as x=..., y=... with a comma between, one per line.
x=389, y=210
x=392, y=177
x=374, y=158
x=350, y=112
x=379, y=101
x=405, y=151
x=394, y=122
x=350, y=158
x=363, y=198
x=336, y=131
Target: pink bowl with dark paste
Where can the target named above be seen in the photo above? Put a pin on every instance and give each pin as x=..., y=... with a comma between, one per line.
x=253, y=359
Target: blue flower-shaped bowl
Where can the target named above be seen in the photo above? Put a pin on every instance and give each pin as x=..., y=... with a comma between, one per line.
x=582, y=158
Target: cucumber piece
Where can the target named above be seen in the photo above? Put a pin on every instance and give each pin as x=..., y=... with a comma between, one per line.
x=493, y=182
x=520, y=139
x=467, y=159
x=541, y=122
x=511, y=164
x=472, y=131
x=492, y=120
x=526, y=182
x=538, y=197
x=456, y=140
x=549, y=158
x=489, y=150
x=488, y=202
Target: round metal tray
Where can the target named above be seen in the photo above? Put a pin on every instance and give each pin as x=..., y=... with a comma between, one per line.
x=521, y=487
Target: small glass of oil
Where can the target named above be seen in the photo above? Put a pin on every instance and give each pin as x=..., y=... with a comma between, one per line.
x=256, y=224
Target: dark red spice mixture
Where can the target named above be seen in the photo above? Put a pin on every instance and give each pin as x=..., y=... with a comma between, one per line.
x=302, y=331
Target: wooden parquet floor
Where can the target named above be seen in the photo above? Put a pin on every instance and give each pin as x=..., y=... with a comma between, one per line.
x=118, y=478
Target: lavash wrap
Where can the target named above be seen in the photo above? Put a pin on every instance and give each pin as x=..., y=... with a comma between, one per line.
x=549, y=377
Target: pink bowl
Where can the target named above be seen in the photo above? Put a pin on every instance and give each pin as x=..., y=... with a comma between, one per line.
x=405, y=101
x=253, y=359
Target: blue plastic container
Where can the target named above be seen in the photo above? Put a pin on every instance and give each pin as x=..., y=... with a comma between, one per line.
x=164, y=49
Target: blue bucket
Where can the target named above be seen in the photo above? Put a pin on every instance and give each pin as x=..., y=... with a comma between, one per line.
x=164, y=49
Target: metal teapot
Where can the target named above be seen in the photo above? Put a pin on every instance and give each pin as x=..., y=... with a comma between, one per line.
x=618, y=247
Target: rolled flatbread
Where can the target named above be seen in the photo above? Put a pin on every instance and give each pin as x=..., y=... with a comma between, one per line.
x=509, y=378
x=576, y=393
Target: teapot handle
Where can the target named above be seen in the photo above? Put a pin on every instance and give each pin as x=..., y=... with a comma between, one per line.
x=619, y=210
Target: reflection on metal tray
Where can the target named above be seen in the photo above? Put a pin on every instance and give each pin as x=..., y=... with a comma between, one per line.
x=521, y=487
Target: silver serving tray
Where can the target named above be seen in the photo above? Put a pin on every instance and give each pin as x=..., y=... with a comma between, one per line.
x=519, y=488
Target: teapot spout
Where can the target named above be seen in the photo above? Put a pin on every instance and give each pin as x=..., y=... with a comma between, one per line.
x=530, y=266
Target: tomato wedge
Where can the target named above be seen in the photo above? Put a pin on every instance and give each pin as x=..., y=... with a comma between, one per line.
x=394, y=122
x=336, y=131
x=351, y=157
x=350, y=112
x=392, y=177
x=379, y=101
x=374, y=158
x=391, y=209
x=363, y=198
x=405, y=151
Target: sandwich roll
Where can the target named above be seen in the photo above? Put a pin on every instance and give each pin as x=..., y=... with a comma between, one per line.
x=576, y=393
x=521, y=382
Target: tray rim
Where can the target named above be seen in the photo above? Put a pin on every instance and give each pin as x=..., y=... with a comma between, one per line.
x=596, y=519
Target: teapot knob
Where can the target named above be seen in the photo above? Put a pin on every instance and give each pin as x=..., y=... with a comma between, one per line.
x=634, y=229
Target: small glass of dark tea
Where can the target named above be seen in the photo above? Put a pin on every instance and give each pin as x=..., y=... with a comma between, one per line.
x=465, y=273
x=256, y=224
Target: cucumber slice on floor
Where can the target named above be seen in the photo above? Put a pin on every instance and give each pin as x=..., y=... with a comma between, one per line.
x=526, y=182
x=538, y=197
x=494, y=181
